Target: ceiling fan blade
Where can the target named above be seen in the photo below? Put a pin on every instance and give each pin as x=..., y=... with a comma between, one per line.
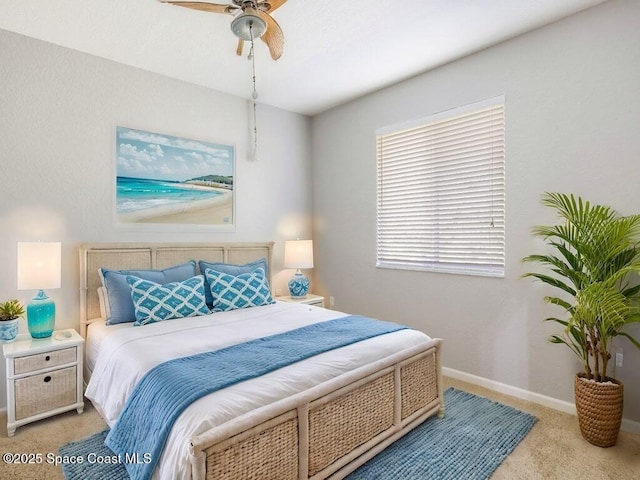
x=275, y=4
x=240, y=47
x=273, y=37
x=204, y=6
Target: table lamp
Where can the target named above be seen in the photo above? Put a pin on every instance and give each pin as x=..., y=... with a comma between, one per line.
x=298, y=254
x=39, y=268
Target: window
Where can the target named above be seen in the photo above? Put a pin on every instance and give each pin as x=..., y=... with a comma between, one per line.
x=441, y=192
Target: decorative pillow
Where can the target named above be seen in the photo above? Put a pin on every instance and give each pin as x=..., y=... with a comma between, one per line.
x=104, y=303
x=229, y=269
x=245, y=290
x=154, y=302
x=119, y=306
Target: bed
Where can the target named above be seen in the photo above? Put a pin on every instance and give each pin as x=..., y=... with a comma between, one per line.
x=321, y=417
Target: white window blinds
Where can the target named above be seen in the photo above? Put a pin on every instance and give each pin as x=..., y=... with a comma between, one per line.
x=441, y=192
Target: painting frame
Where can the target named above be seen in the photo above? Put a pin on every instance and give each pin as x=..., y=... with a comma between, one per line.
x=163, y=181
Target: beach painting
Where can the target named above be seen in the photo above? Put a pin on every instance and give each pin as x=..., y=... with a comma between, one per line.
x=162, y=179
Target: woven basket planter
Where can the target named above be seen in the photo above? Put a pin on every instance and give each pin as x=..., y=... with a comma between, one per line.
x=599, y=406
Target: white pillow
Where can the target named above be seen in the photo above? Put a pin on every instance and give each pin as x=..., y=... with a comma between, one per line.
x=104, y=304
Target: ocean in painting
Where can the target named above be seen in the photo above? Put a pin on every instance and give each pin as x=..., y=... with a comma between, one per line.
x=135, y=194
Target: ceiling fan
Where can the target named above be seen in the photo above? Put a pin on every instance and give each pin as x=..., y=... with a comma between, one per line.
x=252, y=19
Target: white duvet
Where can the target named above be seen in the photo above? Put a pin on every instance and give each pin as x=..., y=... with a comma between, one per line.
x=121, y=356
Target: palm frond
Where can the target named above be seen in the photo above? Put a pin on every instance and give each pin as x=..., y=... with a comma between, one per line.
x=554, y=282
x=596, y=253
x=572, y=259
x=557, y=320
x=560, y=302
x=631, y=291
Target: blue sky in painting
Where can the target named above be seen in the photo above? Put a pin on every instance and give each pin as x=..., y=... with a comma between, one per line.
x=164, y=157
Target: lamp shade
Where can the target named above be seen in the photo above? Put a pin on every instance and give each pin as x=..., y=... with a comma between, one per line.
x=39, y=265
x=298, y=254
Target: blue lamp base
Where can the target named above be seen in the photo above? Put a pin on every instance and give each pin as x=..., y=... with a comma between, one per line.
x=41, y=316
x=298, y=285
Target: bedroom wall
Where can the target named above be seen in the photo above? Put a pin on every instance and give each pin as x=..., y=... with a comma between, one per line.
x=58, y=112
x=572, y=116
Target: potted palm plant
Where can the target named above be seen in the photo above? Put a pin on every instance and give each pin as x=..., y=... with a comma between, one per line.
x=595, y=253
x=10, y=312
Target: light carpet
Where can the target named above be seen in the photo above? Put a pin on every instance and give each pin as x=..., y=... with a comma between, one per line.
x=470, y=442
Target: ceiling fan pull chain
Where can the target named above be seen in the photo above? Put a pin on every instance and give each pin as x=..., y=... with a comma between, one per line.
x=254, y=94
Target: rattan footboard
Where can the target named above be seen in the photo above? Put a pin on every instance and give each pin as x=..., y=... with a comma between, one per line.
x=330, y=430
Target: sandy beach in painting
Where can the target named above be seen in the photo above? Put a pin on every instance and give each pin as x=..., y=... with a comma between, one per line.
x=211, y=211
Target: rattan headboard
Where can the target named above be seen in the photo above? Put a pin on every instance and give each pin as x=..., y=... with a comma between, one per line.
x=151, y=256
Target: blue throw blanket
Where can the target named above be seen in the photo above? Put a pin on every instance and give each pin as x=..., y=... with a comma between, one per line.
x=168, y=389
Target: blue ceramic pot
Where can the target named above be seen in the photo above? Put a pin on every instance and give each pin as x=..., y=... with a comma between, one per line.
x=8, y=330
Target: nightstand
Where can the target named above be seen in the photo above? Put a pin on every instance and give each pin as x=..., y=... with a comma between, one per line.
x=310, y=299
x=44, y=377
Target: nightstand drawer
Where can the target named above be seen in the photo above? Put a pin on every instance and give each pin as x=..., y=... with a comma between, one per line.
x=33, y=363
x=46, y=391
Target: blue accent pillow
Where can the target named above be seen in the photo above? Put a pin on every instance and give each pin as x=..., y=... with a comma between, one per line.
x=154, y=302
x=119, y=296
x=229, y=269
x=231, y=292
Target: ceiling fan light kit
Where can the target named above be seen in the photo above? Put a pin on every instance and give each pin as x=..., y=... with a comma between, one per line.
x=252, y=18
x=248, y=25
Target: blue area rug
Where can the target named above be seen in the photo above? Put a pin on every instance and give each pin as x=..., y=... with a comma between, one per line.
x=469, y=443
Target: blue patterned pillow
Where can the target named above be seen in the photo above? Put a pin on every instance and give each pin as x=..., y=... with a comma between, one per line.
x=229, y=269
x=245, y=290
x=154, y=302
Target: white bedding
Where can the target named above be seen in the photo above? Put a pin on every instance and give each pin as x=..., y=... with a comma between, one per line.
x=97, y=332
x=121, y=356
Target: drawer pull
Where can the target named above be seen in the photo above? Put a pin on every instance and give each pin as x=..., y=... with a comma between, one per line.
x=47, y=358
x=47, y=379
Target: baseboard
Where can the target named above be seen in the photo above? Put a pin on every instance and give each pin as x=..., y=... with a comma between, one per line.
x=550, y=402
x=630, y=426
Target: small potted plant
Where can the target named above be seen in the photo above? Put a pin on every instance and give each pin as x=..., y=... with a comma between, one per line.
x=10, y=312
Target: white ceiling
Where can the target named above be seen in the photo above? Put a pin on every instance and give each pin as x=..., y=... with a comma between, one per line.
x=335, y=50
